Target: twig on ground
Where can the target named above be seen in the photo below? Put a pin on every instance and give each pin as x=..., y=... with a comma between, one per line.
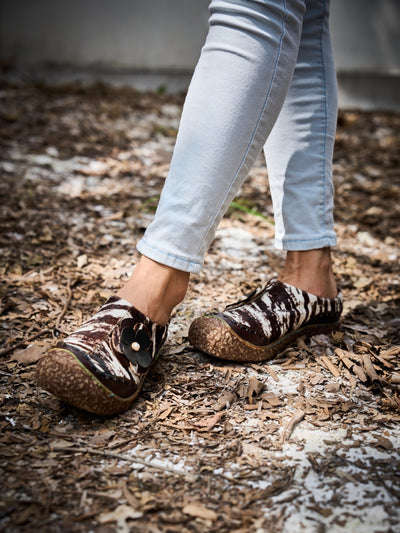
x=120, y=457
x=290, y=424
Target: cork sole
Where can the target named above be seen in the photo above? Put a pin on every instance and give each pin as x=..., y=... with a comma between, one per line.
x=63, y=375
x=213, y=336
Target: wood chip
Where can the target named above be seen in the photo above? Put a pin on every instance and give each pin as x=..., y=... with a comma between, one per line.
x=225, y=400
x=206, y=424
x=199, y=511
x=353, y=367
x=272, y=372
x=271, y=399
x=78, y=193
x=334, y=370
x=369, y=368
x=384, y=442
x=346, y=476
x=390, y=353
x=290, y=425
x=395, y=378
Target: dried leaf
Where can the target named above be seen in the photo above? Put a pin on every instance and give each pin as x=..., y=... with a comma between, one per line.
x=271, y=398
x=121, y=515
x=225, y=400
x=165, y=414
x=206, y=424
x=254, y=388
x=384, y=442
x=199, y=511
x=31, y=354
x=81, y=261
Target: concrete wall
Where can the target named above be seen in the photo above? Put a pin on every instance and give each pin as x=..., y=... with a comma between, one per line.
x=104, y=34
x=116, y=39
x=366, y=42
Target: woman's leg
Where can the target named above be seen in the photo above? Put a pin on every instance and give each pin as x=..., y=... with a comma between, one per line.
x=299, y=158
x=235, y=96
x=299, y=151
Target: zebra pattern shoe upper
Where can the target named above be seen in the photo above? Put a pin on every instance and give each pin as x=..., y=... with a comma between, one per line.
x=100, y=345
x=278, y=308
x=263, y=324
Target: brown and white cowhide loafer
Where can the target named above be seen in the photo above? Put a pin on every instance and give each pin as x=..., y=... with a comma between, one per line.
x=102, y=365
x=265, y=323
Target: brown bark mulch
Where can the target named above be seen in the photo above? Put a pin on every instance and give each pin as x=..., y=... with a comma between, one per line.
x=308, y=442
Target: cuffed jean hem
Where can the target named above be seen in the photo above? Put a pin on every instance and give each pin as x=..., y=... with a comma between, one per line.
x=168, y=259
x=302, y=245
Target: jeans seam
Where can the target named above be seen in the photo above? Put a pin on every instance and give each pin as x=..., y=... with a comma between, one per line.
x=325, y=127
x=278, y=55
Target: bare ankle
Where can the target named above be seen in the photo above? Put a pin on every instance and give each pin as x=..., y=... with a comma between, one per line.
x=155, y=289
x=311, y=271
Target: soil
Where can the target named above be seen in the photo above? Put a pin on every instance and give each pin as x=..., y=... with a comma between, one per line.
x=308, y=442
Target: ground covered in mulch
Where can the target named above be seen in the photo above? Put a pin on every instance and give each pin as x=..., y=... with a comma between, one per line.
x=308, y=442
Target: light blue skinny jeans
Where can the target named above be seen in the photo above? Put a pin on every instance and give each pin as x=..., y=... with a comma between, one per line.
x=265, y=79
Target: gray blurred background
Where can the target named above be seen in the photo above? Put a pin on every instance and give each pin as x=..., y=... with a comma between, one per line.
x=155, y=43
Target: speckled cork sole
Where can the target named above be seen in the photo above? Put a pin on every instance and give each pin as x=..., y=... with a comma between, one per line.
x=63, y=375
x=213, y=336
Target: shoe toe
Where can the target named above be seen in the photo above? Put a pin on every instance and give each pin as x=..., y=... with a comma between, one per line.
x=213, y=336
x=60, y=373
x=209, y=335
